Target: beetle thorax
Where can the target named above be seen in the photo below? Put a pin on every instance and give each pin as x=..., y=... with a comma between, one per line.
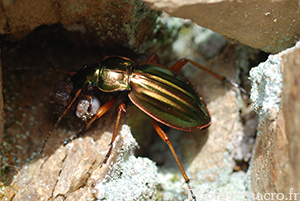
x=114, y=74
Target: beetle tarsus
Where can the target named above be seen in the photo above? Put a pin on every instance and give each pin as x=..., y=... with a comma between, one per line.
x=77, y=135
x=236, y=86
x=107, y=154
x=191, y=191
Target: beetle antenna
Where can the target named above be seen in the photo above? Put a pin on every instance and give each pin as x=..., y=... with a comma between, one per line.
x=59, y=119
x=38, y=68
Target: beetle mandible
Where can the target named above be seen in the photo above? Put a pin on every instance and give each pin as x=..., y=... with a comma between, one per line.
x=160, y=92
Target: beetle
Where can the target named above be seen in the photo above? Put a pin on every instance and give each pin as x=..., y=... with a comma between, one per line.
x=160, y=92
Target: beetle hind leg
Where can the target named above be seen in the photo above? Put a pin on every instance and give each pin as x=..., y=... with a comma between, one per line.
x=179, y=64
x=165, y=138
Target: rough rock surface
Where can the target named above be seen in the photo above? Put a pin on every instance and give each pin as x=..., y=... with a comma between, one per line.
x=109, y=24
x=62, y=172
x=1, y=103
x=205, y=155
x=271, y=26
x=274, y=170
x=209, y=156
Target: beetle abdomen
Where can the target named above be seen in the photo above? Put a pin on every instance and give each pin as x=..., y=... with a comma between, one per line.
x=168, y=98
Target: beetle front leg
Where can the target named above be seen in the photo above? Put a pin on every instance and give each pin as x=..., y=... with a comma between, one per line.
x=101, y=111
x=60, y=118
x=165, y=138
x=121, y=109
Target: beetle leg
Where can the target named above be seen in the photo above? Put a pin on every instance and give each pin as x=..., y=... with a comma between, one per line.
x=153, y=59
x=60, y=118
x=121, y=109
x=165, y=138
x=179, y=64
x=101, y=111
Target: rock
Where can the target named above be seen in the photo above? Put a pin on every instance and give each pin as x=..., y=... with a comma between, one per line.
x=291, y=114
x=1, y=103
x=64, y=172
x=209, y=156
x=108, y=24
x=274, y=170
x=271, y=26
